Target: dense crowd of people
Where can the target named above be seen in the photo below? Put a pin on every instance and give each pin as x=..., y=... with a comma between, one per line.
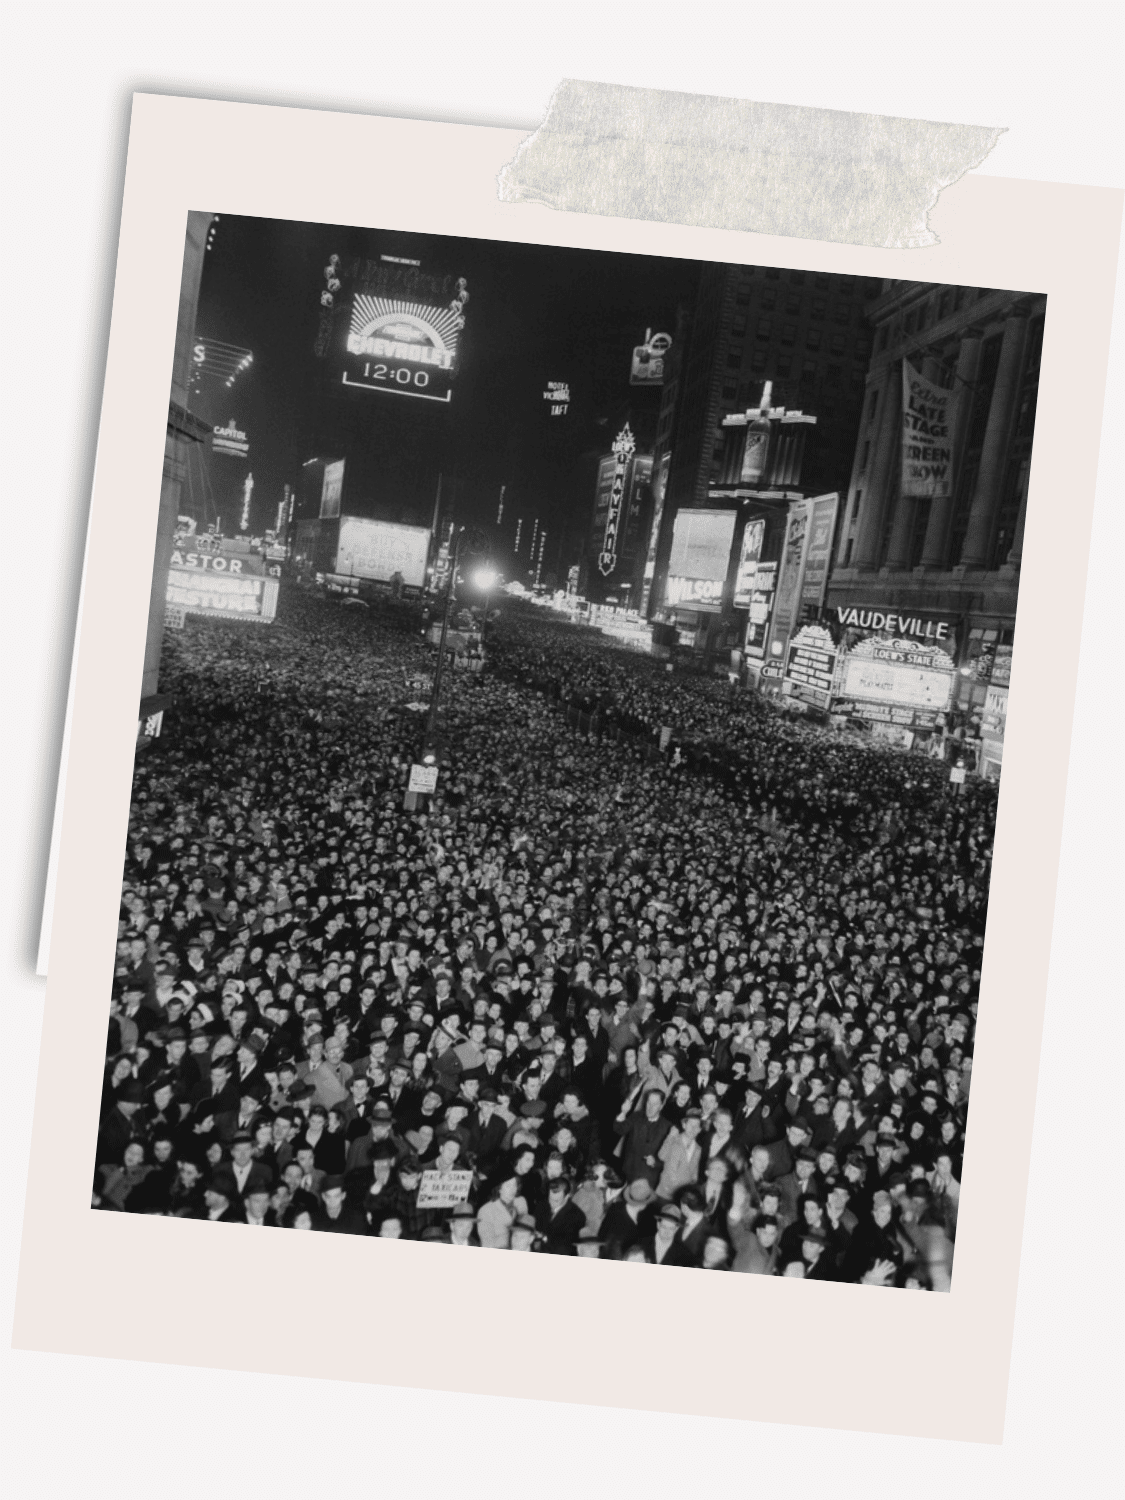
x=713, y=1010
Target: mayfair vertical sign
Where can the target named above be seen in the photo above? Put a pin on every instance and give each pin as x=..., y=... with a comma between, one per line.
x=624, y=446
x=927, y=452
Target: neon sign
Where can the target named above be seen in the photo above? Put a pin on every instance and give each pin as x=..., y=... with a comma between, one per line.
x=407, y=348
x=624, y=446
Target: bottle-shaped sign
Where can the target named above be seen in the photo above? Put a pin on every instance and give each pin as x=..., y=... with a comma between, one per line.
x=756, y=452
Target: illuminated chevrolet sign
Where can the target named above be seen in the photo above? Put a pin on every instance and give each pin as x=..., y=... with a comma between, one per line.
x=407, y=348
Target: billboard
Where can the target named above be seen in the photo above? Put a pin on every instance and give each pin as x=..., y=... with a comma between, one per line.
x=786, y=600
x=899, y=672
x=331, y=490
x=406, y=348
x=233, y=595
x=753, y=535
x=818, y=551
x=648, y=359
x=380, y=549
x=701, y=552
x=927, y=450
x=759, y=609
x=810, y=666
x=659, y=489
x=698, y=593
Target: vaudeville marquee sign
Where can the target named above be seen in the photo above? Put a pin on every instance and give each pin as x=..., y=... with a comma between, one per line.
x=924, y=628
x=624, y=446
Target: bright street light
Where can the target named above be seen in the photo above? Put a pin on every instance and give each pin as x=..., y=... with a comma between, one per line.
x=486, y=578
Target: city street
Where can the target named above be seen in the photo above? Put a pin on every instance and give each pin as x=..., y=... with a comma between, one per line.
x=771, y=930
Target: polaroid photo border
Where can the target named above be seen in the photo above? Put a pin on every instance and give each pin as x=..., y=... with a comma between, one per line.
x=833, y=1352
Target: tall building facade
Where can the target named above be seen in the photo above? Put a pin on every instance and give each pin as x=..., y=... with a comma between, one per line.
x=185, y=430
x=951, y=557
x=806, y=334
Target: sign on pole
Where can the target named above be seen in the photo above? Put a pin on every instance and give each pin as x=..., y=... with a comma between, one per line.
x=422, y=778
x=443, y=1189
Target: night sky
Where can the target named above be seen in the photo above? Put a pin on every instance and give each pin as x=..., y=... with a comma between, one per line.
x=536, y=313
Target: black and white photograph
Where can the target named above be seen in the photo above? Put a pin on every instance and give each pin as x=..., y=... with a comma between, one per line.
x=568, y=752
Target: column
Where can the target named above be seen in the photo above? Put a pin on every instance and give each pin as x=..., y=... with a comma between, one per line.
x=986, y=497
x=869, y=531
x=1015, y=556
x=964, y=386
x=902, y=532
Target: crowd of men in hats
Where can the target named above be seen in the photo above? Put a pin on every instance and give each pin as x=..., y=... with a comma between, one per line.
x=714, y=1014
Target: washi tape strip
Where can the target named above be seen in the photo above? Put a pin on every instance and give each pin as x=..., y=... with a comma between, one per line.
x=784, y=169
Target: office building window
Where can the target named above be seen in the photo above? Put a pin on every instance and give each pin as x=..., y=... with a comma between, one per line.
x=788, y=335
x=784, y=365
x=768, y=299
x=765, y=327
x=819, y=306
x=734, y=359
x=758, y=362
x=738, y=324
x=838, y=343
x=812, y=339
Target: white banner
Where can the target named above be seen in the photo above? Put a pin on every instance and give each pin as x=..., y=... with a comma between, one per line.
x=927, y=452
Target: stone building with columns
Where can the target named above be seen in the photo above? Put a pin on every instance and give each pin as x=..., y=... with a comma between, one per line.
x=954, y=558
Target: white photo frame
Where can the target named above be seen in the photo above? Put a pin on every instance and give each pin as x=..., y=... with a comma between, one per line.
x=831, y=1351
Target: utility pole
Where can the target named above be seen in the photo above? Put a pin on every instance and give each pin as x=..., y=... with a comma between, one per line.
x=429, y=749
